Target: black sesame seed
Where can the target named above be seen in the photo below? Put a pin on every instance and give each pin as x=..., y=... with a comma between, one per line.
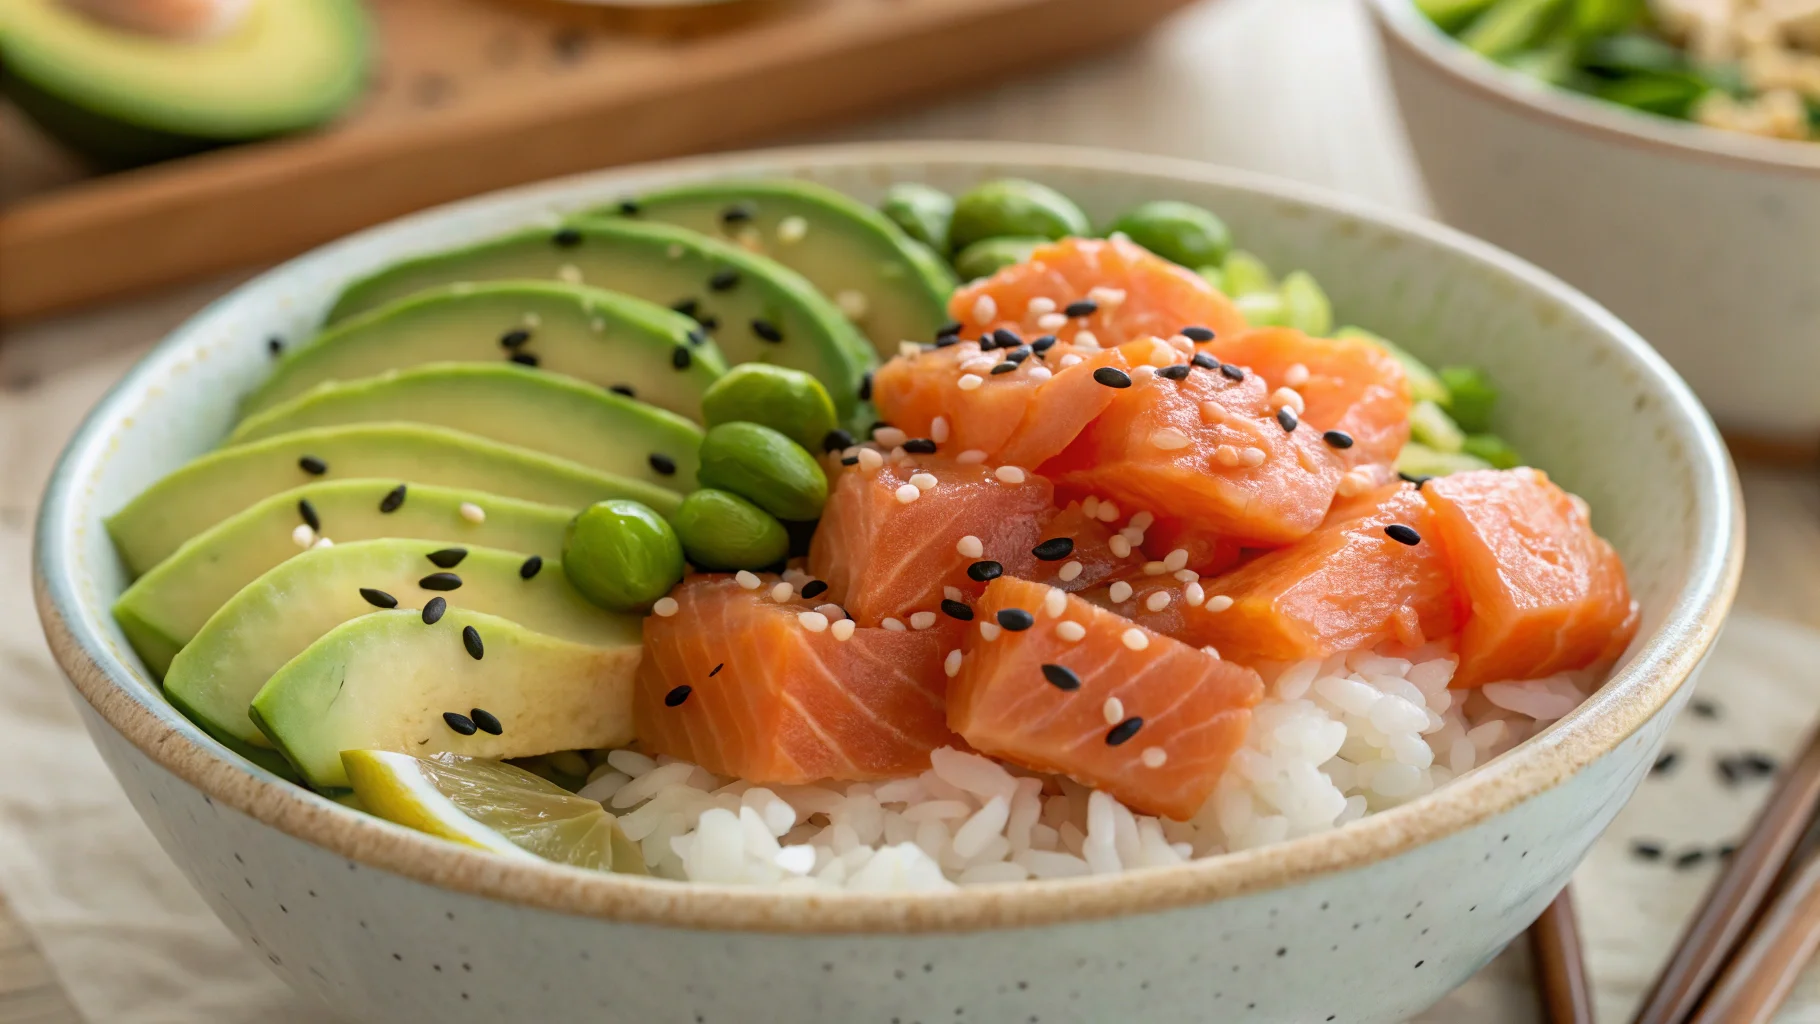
x=1703, y=707
x=531, y=567
x=514, y=338
x=677, y=695
x=738, y=213
x=1645, y=849
x=951, y=329
x=433, y=609
x=946, y=342
x=1061, y=677
x=1003, y=368
x=1016, y=619
x=1006, y=338
x=1177, y=372
x=1665, y=763
x=308, y=512
x=524, y=359
x=766, y=330
x=470, y=638
x=708, y=323
x=1018, y=354
x=1085, y=307
x=1231, y=372
x=1054, y=549
x=440, y=581
x=1689, y=859
x=460, y=723
x=724, y=279
x=393, y=500
x=716, y=670
x=1730, y=771
x=566, y=238
x=662, y=464
x=920, y=446
x=629, y=207
x=865, y=387
x=447, y=558
x=1123, y=731
x=1414, y=479
x=1286, y=419
x=1337, y=438
x=623, y=389
x=687, y=307
x=378, y=598
x=1402, y=534
x=987, y=343
x=835, y=440
x=1758, y=763
x=312, y=465
x=696, y=336
x=851, y=460
x=1043, y=344
x=957, y=610
x=814, y=588
x=1196, y=333
x=985, y=571
x=1112, y=377
x=1205, y=361
x=486, y=721
x=680, y=358
x=274, y=345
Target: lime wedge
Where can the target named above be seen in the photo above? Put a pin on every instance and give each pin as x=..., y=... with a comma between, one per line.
x=493, y=806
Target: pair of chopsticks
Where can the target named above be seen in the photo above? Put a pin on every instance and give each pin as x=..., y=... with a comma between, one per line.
x=1748, y=943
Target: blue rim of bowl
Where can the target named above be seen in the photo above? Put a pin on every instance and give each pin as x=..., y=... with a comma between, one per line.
x=1402, y=24
x=1633, y=694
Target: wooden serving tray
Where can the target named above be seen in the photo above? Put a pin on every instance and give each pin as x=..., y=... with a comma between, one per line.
x=473, y=95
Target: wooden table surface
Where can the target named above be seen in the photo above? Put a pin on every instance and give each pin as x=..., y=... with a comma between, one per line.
x=1283, y=86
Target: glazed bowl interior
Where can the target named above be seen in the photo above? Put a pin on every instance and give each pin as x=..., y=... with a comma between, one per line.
x=1584, y=397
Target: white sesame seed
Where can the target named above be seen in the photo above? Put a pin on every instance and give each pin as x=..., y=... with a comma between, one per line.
x=1182, y=343
x=322, y=542
x=1071, y=359
x=1106, y=296
x=750, y=240
x=1161, y=354
x=1288, y=397
x=984, y=310
x=1213, y=413
x=666, y=607
x=953, y=594
x=1071, y=631
x=1142, y=370
x=1211, y=651
x=1136, y=639
x=1169, y=439
x=746, y=579
x=782, y=592
x=1134, y=535
x=1158, y=601
x=1251, y=458
x=1119, y=545
x=938, y=429
x=1070, y=571
x=569, y=273
x=814, y=622
x=1175, y=560
x=1038, y=372
x=532, y=320
x=924, y=481
x=870, y=459
x=1194, y=594
x=1120, y=592
x=1009, y=474
x=843, y=630
x=1109, y=513
x=907, y=493
x=893, y=625
x=1055, y=603
x=890, y=437
x=978, y=364
x=922, y=620
x=853, y=304
x=1086, y=339
x=969, y=382
x=1296, y=375
x=971, y=457
x=473, y=513
x=970, y=547
x=1090, y=506
x=1155, y=568
x=1226, y=455
x=1186, y=575
x=1154, y=757
x=989, y=630
x=1353, y=483
x=791, y=230
x=1040, y=305
x=908, y=349
x=1219, y=602
x=1142, y=521
x=1113, y=711
x=303, y=536
x=952, y=663
x=1052, y=321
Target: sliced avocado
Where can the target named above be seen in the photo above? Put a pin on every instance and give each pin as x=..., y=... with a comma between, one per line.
x=870, y=268
x=221, y=483
x=1429, y=424
x=272, y=619
x=758, y=310
x=636, y=348
x=164, y=608
x=384, y=681
x=545, y=412
x=1417, y=459
x=123, y=95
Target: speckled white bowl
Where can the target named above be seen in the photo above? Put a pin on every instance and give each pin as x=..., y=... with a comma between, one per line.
x=1707, y=242
x=1370, y=923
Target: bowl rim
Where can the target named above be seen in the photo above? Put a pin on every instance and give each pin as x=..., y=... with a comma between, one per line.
x=1401, y=25
x=1663, y=661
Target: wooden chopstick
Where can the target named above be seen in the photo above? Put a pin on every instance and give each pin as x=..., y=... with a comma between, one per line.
x=1739, y=894
x=1560, y=966
x=1760, y=974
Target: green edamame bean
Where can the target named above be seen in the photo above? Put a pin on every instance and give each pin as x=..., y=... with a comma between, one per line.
x=1014, y=207
x=988, y=256
x=788, y=401
x=1305, y=305
x=1245, y=274
x=923, y=211
x=764, y=467
x=621, y=555
x=721, y=530
x=1179, y=232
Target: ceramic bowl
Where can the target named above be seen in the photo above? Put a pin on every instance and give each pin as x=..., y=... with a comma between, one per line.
x=1705, y=241
x=1369, y=923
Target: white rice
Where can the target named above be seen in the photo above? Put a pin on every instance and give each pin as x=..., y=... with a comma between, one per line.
x=1331, y=742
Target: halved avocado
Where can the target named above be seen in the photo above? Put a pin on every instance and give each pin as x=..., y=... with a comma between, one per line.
x=272, y=619
x=758, y=310
x=125, y=97
x=162, y=610
x=889, y=284
x=634, y=347
x=384, y=681
x=221, y=483
x=512, y=404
